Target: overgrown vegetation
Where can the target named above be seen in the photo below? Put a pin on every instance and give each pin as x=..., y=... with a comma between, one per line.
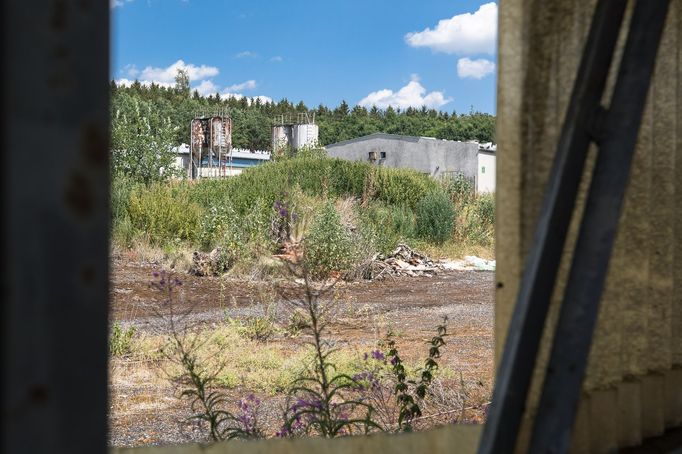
x=340, y=212
x=435, y=217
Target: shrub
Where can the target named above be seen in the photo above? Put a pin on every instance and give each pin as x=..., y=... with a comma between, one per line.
x=121, y=340
x=315, y=175
x=122, y=229
x=258, y=328
x=479, y=220
x=298, y=321
x=121, y=188
x=435, y=217
x=459, y=187
x=164, y=213
x=328, y=246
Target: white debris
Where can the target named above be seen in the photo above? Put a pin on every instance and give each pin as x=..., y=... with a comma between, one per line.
x=469, y=263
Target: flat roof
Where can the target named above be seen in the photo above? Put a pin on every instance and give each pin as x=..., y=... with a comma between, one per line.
x=382, y=135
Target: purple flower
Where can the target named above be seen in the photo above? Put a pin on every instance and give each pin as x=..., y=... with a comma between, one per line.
x=394, y=360
x=376, y=354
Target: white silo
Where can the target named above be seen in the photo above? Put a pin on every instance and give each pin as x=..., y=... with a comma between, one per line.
x=305, y=135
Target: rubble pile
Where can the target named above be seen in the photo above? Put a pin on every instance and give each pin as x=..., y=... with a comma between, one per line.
x=213, y=263
x=403, y=261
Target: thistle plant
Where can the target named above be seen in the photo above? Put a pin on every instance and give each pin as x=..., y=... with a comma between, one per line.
x=409, y=398
x=197, y=379
x=322, y=401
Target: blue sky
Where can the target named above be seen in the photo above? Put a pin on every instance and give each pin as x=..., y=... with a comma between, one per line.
x=372, y=52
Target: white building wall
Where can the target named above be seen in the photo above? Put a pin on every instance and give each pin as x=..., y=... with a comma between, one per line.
x=485, y=182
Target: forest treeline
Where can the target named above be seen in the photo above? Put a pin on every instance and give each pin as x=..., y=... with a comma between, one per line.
x=252, y=118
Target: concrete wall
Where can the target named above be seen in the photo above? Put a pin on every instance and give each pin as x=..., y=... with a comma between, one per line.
x=485, y=180
x=458, y=439
x=430, y=156
x=633, y=387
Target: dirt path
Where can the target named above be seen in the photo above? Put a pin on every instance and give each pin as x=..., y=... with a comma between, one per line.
x=145, y=409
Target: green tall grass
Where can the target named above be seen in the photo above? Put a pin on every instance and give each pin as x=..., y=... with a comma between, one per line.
x=237, y=214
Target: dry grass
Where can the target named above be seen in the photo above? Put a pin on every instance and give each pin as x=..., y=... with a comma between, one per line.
x=266, y=367
x=457, y=250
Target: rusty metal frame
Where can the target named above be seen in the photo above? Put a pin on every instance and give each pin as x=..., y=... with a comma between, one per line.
x=55, y=225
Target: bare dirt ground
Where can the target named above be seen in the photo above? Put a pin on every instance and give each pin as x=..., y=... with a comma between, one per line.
x=145, y=408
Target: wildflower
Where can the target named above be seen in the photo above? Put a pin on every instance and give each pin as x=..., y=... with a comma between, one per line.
x=376, y=354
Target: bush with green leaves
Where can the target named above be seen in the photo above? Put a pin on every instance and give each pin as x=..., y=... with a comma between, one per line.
x=459, y=187
x=328, y=246
x=164, y=213
x=258, y=328
x=387, y=225
x=121, y=340
x=435, y=217
x=479, y=220
x=142, y=142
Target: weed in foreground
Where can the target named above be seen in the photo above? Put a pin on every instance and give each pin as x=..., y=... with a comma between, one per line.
x=321, y=401
x=197, y=380
x=121, y=340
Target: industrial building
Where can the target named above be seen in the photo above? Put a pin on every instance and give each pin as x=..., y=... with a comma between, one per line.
x=232, y=163
x=434, y=157
x=288, y=133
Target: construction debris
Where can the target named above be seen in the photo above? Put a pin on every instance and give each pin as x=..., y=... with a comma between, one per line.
x=213, y=263
x=404, y=261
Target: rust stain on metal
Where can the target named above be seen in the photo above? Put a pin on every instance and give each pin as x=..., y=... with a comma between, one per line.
x=38, y=394
x=78, y=196
x=94, y=146
x=88, y=274
x=59, y=14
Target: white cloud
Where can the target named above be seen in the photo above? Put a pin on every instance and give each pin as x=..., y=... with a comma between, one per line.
x=411, y=95
x=248, y=85
x=246, y=54
x=474, y=69
x=131, y=71
x=277, y=59
x=206, y=87
x=463, y=34
x=165, y=77
x=167, y=74
x=118, y=3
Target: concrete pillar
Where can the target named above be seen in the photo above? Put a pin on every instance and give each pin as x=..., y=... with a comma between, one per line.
x=629, y=413
x=603, y=423
x=638, y=340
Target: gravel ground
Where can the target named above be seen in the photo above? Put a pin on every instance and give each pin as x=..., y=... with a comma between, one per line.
x=145, y=408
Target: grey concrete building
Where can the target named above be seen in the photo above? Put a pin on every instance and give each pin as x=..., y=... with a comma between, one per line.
x=437, y=158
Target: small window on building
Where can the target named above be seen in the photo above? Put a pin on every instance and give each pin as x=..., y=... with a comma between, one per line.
x=383, y=155
x=483, y=169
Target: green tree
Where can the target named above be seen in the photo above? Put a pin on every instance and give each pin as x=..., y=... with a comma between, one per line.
x=182, y=82
x=142, y=142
